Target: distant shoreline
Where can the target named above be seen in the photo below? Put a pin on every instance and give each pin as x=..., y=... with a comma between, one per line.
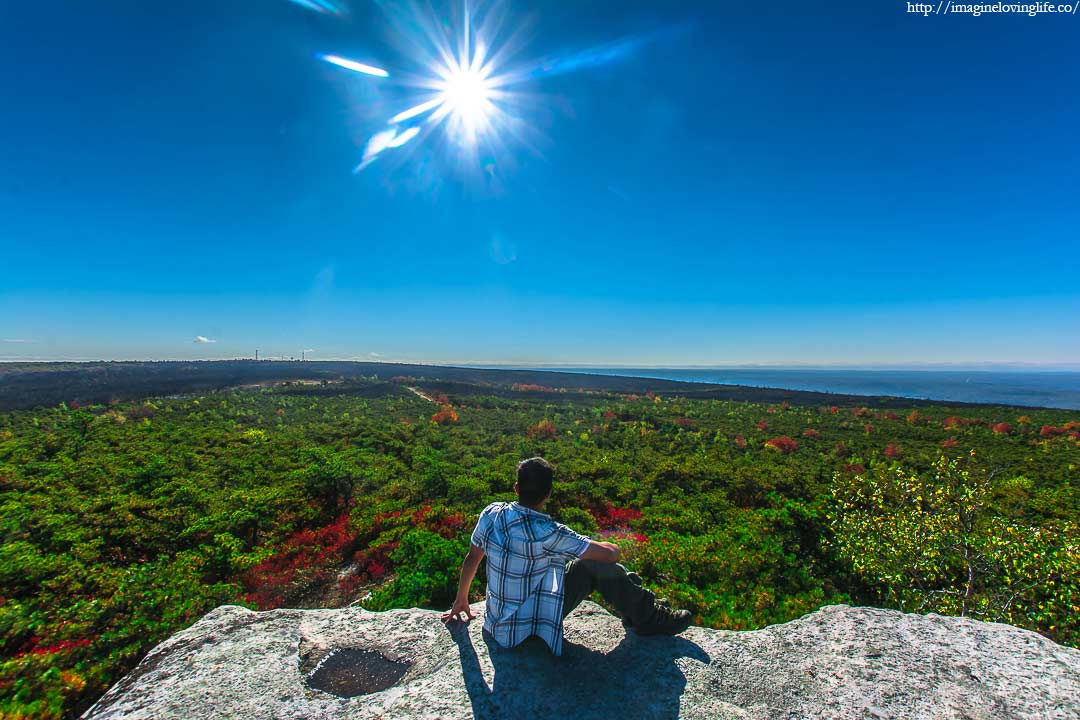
x=1052, y=389
x=26, y=385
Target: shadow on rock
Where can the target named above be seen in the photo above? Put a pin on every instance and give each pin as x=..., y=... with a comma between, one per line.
x=640, y=675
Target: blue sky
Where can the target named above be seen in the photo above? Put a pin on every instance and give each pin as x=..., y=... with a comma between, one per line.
x=738, y=182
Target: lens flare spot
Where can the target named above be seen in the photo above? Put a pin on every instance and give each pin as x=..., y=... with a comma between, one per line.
x=325, y=7
x=416, y=111
x=404, y=137
x=354, y=66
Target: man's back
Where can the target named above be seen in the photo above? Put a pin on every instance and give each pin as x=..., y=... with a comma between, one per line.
x=526, y=552
x=539, y=570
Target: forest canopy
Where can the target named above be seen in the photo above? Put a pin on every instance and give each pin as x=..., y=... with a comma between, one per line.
x=123, y=522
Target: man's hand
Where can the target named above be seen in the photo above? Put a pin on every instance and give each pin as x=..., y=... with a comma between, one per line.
x=460, y=606
x=468, y=572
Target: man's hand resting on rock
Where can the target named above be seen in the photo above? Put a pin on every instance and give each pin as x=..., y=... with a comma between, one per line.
x=460, y=606
x=468, y=572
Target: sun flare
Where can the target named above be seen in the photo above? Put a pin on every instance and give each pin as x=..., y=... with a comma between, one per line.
x=467, y=97
x=466, y=85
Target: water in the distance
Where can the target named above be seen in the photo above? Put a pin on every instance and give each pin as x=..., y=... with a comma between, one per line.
x=1056, y=389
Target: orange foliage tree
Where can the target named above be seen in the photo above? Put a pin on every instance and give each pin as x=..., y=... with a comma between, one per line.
x=446, y=414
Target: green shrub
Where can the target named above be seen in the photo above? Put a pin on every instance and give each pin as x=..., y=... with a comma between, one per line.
x=428, y=570
x=933, y=543
x=577, y=519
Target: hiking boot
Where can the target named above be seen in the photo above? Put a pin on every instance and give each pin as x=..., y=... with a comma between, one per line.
x=628, y=623
x=636, y=579
x=666, y=622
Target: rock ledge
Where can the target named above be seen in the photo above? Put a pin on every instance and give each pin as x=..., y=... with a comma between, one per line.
x=837, y=662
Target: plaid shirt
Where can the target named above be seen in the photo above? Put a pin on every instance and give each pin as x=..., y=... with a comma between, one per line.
x=526, y=558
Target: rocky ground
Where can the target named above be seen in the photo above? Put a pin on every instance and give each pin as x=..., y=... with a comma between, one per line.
x=838, y=662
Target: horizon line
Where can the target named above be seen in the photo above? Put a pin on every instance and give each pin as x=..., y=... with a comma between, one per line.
x=959, y=365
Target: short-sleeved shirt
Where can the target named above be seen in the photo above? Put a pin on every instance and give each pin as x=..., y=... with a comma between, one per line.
x=526, y=554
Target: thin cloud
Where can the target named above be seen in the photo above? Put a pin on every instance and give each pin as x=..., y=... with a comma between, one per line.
x=200, y=339
x=375, y=354
x=18, y=341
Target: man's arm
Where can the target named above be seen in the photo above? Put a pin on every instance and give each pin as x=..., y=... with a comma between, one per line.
x=468, y=572
x=604, y=552
x=570, y=544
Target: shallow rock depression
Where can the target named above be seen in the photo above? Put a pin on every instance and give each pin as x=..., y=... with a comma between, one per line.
x=838, y=662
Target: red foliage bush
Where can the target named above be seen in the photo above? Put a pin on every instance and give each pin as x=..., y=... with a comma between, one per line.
x=854, y=468
x=612, y=518
x=1051, y=431
x=892, y=450
x=834, y=409
x=313, y=555
x=762, y=425
x=62, y=646
x=307, y=554
x=610, y=415
x=530, y=387
x=810, y=433
x=1002, y=429
x=374, y=562
x=868, y=428
x=685, y=422
x=950, y=443
x=841, y=450
x=740, y=441
x=349, y=584
x=544, y=430
x=783, y=444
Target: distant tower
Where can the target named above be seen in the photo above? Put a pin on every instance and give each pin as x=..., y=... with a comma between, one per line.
x=303, y=353
x=256, y=355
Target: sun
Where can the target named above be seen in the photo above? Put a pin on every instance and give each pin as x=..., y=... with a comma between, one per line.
x=464, y=85
x=464, y=79
x=467, y=97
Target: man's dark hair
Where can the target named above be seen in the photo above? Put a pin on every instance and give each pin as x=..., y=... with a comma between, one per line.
x=534, y=478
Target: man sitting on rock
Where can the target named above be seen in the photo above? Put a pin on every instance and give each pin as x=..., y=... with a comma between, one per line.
x=539, y=570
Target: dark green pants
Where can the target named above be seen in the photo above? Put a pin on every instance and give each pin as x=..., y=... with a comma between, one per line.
x=621, y=589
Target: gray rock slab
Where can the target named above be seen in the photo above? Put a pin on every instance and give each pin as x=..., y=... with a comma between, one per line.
x=837, y=662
